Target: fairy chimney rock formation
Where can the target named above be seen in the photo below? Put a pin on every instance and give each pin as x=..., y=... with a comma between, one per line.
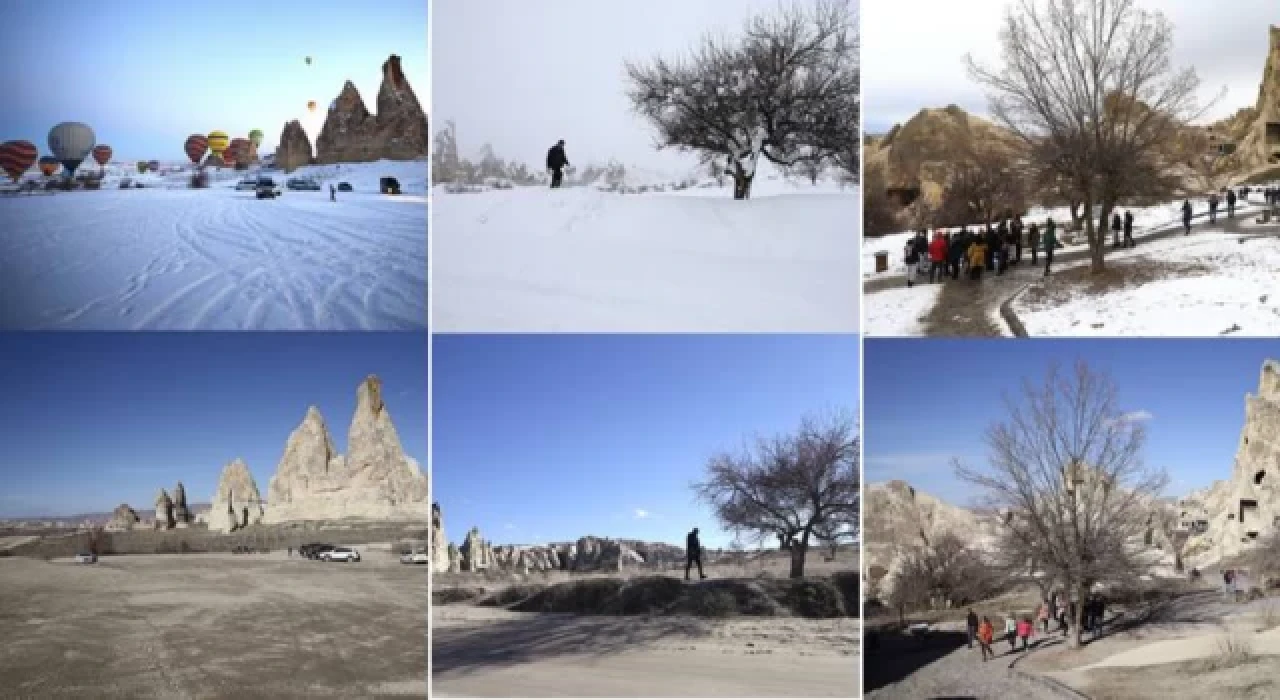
x=294, y=150
x=397, y=132
x=122, y=518
x=164, y=511
x=181, y=512
x=237, y=503
x=375, y=480
x=439, y=545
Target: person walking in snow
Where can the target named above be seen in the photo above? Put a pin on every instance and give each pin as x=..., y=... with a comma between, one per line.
x=1016, y=229
x=938, y=253
x=911, y=257
x=1050, y=242
x=1128, y=229
x=1033, y=241
x=557, y=161
x=978, y=257
x=1231, y=204
x=333, y=194
x=1117, y=225
x=1213, y=208
x=1186, y=217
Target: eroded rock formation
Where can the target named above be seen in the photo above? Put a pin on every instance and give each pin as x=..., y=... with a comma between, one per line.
x=122, y=518
x=398, y=131
x=439, y=544
x=375, y=480
x=294, y=150
x=237, y=503
x=1259, y=144
x=181, y=512
x=164, y=511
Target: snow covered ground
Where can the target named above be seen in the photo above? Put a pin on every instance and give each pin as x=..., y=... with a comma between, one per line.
x=1145, y=220
x=1237, y=294
x=580, y=259
x=167, y=257
x=899, y=312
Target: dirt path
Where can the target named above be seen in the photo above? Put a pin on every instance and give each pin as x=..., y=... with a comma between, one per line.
x=486, y=652
x=972, y=309
x=962, y=674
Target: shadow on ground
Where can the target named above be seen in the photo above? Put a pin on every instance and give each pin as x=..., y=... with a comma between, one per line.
x=892, y=656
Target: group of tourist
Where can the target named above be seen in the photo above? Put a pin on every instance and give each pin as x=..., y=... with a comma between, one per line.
x=1021, y=628
x=972, y=253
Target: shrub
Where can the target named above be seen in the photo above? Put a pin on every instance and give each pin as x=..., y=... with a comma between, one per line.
x=706, y=601
x=504, y=597
x=647, y=595
x=849, y=584
x=587, y=596
x=447, y=596
x=814, y=598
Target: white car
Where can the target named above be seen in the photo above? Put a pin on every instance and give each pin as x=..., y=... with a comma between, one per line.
x=248, y=184
x=86, y=558
x=346, y=554
x=415, y=558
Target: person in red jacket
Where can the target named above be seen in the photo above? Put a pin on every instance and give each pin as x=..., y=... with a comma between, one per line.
x=938, y=256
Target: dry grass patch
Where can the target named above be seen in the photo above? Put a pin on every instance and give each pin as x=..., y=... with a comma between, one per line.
x=1129, y=274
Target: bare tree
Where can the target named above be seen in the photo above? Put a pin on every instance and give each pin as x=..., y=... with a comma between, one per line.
x=799, y=487
x=879, y=216
x=1088, y=86
x=1065, y=467
x=984, y=185
x=445, y=162
x=788, y=90
x=1206, y=158
x=943, y=573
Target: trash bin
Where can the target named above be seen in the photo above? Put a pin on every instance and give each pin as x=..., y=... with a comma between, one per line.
x=882, y=261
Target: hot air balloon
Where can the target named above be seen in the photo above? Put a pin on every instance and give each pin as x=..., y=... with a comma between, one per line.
x=218, y=142
x=70, y=143
x=308, y=60
x=153, y=165
x=196, y=146
x=239, y=150
x=48, y=165
x=311, y=106
x=102, y=156
x=256, y=137
x=16, y=157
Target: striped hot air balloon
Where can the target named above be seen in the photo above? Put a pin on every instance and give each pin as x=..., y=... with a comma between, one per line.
x=153, y=165
x=17, y=157
x=71, y=143
x=49, y=165
x=196, y=146
x=102, y=154
x=218, y=142
x=240, y=152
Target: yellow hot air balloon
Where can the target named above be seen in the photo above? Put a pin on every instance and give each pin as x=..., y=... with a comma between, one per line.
x=311, y=106
x=218, y=142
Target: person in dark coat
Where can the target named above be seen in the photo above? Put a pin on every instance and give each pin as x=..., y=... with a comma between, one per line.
x=1186, y=217
x=1002, y=247
x=959, y=244
x=1128, y=229
x=1050, y=242
x=1016, y=229
x=992, y=241
x=971, y=623
x=693, y=554
x=1033, y=240
x=1213, y=208
x=1231, y=204
x=557, y=161
x=1117, y=225
x=333, y=194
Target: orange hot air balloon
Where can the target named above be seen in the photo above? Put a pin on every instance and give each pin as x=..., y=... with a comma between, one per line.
x=49, y=165
x=218, y=142
x=311, y=106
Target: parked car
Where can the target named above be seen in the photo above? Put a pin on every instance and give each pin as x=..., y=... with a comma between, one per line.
x=265, y=188
x=346, y=554
x=247, y=184
x=389, y=185
x=314, y=551
x=302, y=184
x=344, y=186
x=126, y=183
x=86, y=558
x=415, y=558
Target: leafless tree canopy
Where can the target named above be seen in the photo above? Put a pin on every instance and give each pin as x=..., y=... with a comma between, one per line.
x=797, y=487
x=787, y=90
x=984, y=185
x=879, y=216
x=1090, y=87
x=1066, y=471
x=945, y=572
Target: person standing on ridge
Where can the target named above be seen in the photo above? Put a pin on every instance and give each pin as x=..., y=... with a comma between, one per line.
x=557, y=161
x=693, y=554
x=333, y=194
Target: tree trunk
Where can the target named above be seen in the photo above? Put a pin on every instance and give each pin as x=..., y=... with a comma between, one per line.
x=1075, y=216
x=798, y=550
x=1097, y=239
x=742, y=185
x=1074, y=641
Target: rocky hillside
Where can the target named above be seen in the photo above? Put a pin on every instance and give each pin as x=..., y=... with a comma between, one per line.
x=399, y=130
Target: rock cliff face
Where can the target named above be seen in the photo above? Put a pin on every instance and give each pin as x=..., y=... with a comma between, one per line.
x=164, y=511
x=122, y=518
x=399, y=131
x=237, y=503
x=897, y=517
x=376, y=480
x=294, y=150
x=1235, y=515
x=1260, y=146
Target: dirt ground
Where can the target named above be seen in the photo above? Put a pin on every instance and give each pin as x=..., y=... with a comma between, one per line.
x=486, y=652
x=212, y=626
x=1256, y=679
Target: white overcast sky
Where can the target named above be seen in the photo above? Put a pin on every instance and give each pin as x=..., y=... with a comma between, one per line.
x=521, y=74
x=912, y=52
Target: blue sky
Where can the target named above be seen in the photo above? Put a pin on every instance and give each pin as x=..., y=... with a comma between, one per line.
x=539, y=438
x=919, y=417
x=144, y=74
x=92, y=420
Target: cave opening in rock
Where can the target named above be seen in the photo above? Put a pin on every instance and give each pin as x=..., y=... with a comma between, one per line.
x=1248, y=511
x=1257, y=478
x=903, y=196
x=1273, y=133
